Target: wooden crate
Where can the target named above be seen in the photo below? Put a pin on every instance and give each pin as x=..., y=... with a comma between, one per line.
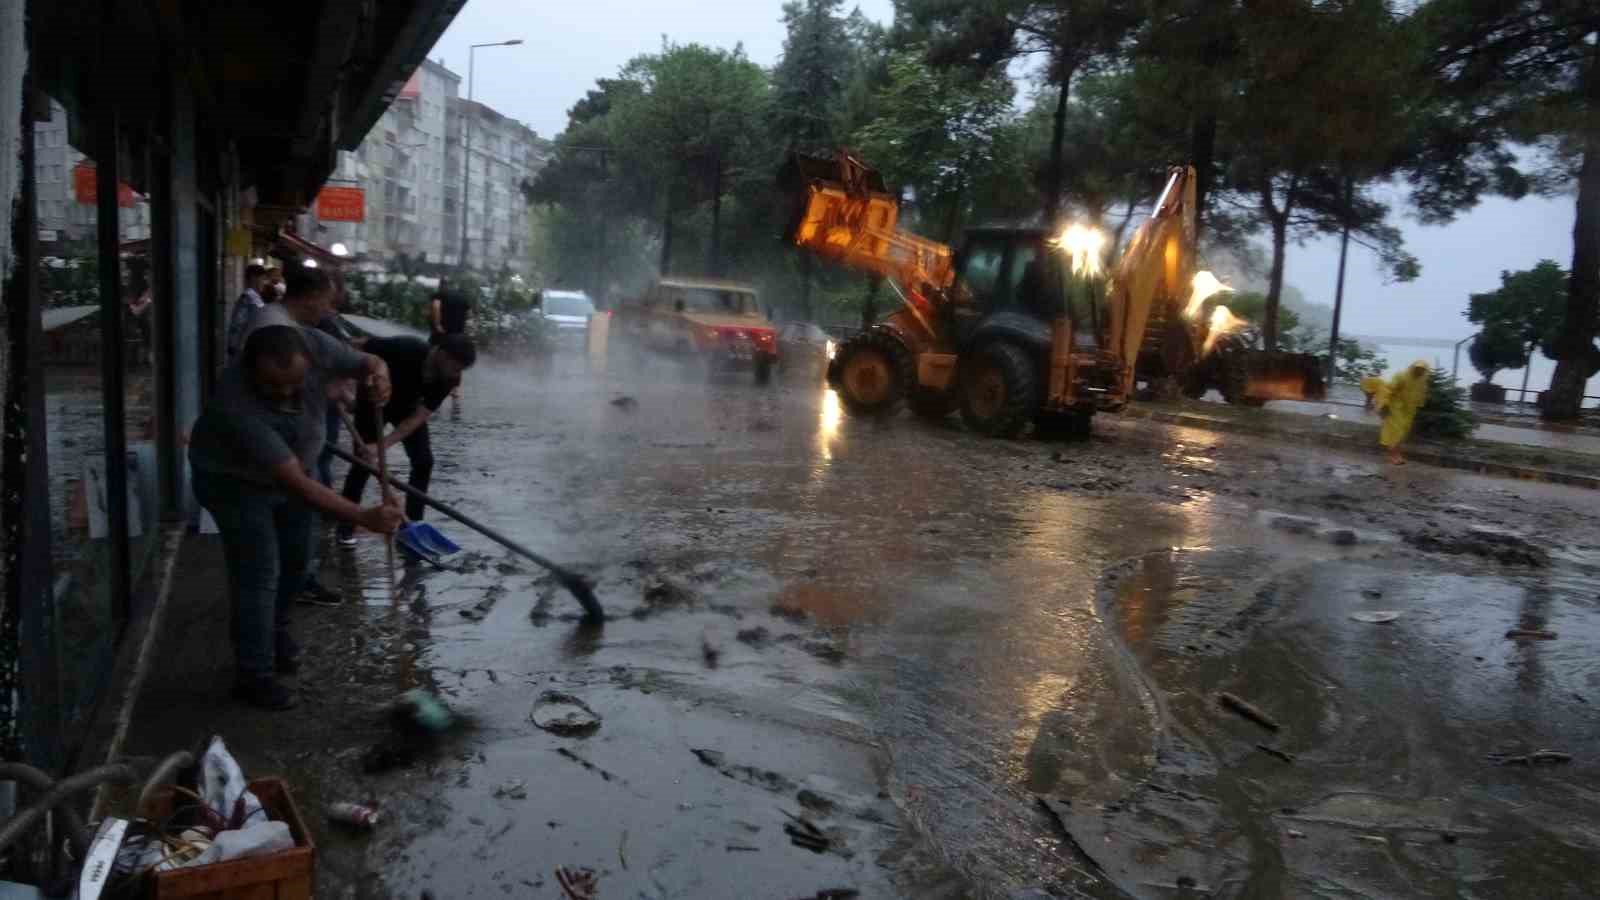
x=285, y=875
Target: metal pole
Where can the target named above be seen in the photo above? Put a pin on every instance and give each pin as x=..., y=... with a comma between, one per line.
x=466, y=157
x=1338, y=291
x=1455, y=365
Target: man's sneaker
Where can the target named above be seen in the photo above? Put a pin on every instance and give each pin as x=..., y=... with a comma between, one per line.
x=264, y=692
x=346, y=536
x=317, y=595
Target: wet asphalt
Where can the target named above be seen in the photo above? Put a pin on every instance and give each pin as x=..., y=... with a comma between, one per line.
x=954, y=666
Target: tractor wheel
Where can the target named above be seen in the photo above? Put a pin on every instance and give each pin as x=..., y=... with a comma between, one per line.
x=932, y=405
x=872, y=373
x=999, y=391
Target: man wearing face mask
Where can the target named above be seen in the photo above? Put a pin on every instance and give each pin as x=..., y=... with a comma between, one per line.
x=423, y=376
x=252, y=452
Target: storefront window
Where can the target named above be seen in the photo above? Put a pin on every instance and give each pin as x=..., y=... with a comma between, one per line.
x=140, y=313
x=84, y=583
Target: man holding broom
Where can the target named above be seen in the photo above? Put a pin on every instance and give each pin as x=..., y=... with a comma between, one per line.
x=423, y=376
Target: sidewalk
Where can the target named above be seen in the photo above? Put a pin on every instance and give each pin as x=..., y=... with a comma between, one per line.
x=1493, y=450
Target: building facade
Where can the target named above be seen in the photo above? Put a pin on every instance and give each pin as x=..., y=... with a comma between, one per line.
x=503, y=154
x=131, y=206
x=401, y=169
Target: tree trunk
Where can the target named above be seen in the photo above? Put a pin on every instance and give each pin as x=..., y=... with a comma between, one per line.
x=1564, y=401
x=1338, y=305
x=953, y=220
x=1203, y=154
x=1269, y=325
x=1058, y=135
x=666, y=241
x=869, y=304
x=1338, y=290
x=714, y=262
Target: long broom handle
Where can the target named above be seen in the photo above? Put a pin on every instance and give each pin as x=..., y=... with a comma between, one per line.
x=459, y=516
x=383, y=481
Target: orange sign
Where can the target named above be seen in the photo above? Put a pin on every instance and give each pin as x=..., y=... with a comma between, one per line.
x=86, y=187
x=342, y=204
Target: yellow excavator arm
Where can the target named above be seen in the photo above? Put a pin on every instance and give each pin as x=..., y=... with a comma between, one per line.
x=842, y=212
x=1157, y=264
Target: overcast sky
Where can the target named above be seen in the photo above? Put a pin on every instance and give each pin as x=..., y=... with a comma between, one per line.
x=567, y=45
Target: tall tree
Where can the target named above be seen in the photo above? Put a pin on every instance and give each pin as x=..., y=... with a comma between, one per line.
x=938, y=134
x=1071, y=36
x=1297, y=168
x=1528, y=308
x=809, y=81
x=1525, y=71
x=693, y=118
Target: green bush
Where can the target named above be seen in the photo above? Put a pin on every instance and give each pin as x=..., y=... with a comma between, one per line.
x=1444, y=415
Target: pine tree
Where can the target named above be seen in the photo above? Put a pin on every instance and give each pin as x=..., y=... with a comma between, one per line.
x=1444, y=415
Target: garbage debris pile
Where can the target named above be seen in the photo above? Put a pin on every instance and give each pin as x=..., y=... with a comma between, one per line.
x=219, y=817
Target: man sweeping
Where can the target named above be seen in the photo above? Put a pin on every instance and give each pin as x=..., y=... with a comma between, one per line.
x=253, y=451
x=422, y=375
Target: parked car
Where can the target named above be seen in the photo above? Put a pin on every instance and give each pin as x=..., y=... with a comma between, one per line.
x=719, y=323
x=804, y=349
x=563, y=318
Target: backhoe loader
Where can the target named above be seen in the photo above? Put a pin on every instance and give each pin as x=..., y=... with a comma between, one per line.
x=1021, y=326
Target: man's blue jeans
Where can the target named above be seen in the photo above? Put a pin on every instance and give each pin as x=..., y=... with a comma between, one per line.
x=266, y=538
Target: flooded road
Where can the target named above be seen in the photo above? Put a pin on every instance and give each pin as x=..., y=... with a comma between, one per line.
x=975, y=668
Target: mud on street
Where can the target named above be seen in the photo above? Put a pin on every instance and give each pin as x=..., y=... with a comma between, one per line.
x=901, y=660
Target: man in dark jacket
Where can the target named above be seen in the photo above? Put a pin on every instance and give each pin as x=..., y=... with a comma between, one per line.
x=422, y=376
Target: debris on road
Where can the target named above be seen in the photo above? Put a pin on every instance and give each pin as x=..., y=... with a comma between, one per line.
x=1507, y=549
x=710, y=646
x=423, y=710
x=742, y=848
x=355, y=815
x=578, y=884
x=514, y=789
x=1274, y=751
x=478, y=610
x=755, y=637
x=604, y=775
x=1531, y=634
x=1236, y=704
x=1537, y=758
x=1376, y=617
x=804, y=834
x=815, y=802
x=565, y=715
x=751, y=775
x=625, y=403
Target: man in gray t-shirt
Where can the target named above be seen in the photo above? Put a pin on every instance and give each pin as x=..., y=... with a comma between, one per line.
x=253, y=450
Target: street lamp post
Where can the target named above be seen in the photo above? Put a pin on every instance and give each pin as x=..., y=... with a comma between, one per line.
x=466, y=141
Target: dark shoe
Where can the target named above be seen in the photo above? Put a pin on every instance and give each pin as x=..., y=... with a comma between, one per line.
x=264, y=692
x=346, y=536
x=286, y=655
x=317, y=595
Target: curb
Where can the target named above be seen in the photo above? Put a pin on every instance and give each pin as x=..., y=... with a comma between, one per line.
x=1421, y=454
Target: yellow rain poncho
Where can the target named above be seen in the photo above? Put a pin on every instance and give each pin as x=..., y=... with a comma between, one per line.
x=1398, y=400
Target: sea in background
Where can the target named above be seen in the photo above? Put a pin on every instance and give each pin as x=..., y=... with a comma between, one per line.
x=1441, y=354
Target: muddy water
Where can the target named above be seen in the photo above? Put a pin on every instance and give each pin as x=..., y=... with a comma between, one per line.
x=921, y=625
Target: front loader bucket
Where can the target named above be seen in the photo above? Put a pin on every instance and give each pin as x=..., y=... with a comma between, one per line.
x=1282, y=376
x=839, y=209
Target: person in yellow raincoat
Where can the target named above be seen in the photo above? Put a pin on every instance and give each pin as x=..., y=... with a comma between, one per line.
x=1397, y=401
